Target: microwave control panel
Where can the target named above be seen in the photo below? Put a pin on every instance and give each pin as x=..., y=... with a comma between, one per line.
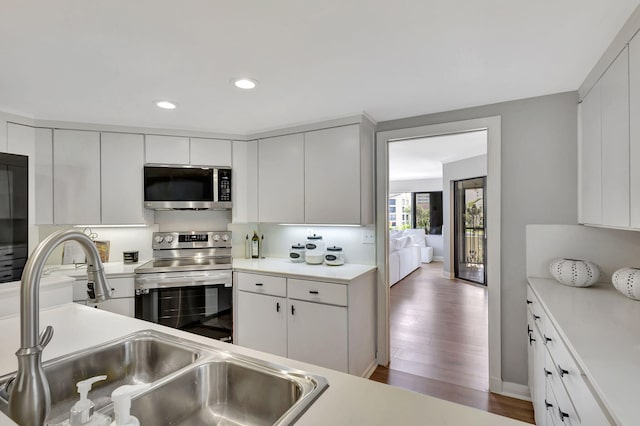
x=224, y=184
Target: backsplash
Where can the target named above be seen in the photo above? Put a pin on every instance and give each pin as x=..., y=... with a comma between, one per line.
x=279, y=238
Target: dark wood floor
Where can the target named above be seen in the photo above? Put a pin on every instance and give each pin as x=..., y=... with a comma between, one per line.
x=439, y=343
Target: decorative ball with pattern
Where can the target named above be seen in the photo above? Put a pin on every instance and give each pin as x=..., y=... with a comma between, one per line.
x=574, y=272
x=627, y=282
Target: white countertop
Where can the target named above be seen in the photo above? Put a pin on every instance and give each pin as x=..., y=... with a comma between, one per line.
x=349, y=400
x=111, y=269
x=343, y=273
x=601, y=328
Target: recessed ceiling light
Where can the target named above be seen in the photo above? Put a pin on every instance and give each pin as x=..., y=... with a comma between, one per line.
x=244, y=83
x=164, y=104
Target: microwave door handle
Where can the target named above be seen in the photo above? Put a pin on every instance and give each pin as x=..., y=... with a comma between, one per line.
x=215, y=185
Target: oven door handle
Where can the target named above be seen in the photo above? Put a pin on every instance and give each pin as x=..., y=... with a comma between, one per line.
x=149, y=282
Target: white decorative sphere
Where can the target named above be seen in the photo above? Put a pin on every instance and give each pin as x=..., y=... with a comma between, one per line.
x=575, y=273
x=627, y=282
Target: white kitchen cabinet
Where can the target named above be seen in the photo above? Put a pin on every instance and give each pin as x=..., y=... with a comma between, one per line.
x=324, y=323
x=634, y=131
x=124, y=306
x=262, y=322
x=615, y=142
x=166, y=149
x=332, y=181
x=245, y=182
x=122, y=299
x=318, y=334
x=210, y=152
x=590, y=158
x=76, y=177
x=122, y=161
x=281, y=179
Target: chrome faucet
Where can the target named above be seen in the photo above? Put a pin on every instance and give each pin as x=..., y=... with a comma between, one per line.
x=30, y=395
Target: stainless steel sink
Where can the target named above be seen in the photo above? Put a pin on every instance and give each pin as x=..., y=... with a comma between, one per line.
x=232, y=391
x=143, y=357
x=191, y=384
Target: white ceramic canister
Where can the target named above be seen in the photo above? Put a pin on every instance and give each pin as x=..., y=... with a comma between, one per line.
x=296, y=253
x=574, y=272
x=627, y=282
x=315, y=242
x=334, y=256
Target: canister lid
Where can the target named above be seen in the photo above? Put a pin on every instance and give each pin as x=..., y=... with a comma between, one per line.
x=297, y=246
x=334, y=248
x=314, y=237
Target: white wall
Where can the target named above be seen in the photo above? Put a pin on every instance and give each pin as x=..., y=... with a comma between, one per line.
x=436, y=242
x=415, y=185
x=539, y=185
x=456, y=170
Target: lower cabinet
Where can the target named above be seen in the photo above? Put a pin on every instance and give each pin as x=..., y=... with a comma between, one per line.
x=122, y=299
x=327, y=324
x=559, y=390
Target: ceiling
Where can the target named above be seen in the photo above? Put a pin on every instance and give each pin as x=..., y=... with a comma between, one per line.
x=423, y=158
x=105, y=61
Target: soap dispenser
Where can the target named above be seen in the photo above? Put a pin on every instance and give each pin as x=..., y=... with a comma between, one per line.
x=122, y=404
x=82, y=411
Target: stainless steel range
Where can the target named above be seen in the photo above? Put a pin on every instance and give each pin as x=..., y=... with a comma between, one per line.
x=188, y=283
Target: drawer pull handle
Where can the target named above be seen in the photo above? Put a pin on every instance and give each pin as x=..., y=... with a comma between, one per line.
x=562, y=414
x=277, y=306
x=531, y=339
x=259, y=284
x=547, y=404
x=547, y=372
x=529, y=329
x=529, y=302
x=293, y=310
x=313, y=291
x=536, y=317
x=546, y=339
x=562, y=371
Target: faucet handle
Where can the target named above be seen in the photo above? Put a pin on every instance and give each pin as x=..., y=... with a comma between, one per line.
x=45, y=336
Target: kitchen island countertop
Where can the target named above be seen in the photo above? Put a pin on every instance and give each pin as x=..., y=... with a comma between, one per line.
x=349, y=400
x=343, y=273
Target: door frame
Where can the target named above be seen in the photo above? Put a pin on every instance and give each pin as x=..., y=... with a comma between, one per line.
x=455, y=229
x=493, y=220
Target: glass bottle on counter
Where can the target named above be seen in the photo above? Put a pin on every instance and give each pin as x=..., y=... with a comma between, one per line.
x=255, y=246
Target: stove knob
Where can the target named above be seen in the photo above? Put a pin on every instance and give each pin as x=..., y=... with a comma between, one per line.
x=225, y=237
x=158, y=238
x=169, y=238
x=216, y=237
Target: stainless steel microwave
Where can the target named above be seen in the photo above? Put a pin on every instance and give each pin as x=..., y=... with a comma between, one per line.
x=187, y=187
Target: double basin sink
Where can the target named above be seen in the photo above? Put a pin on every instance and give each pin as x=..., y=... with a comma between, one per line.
x=191, y=384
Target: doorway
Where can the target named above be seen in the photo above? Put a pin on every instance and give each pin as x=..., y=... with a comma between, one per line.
x=470, y=238
x=492, y=125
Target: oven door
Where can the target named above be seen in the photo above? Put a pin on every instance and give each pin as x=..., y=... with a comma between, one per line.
x=199, y=302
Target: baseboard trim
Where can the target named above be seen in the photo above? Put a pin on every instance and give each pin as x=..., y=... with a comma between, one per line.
x=515, y=390
x=438, y=258
x=448, y=275
x=369, y=371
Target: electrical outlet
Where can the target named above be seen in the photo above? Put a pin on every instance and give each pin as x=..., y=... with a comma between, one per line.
x=368, y=236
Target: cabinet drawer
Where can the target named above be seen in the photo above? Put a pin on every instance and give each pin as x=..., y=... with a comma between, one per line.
x=534, y=310
x=558, y=406
x=122, y=287
x=264, y=284
x=314, y=291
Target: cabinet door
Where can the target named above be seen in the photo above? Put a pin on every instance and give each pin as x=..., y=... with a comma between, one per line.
x=615, y=142
x=210, y=152
x=124, y=306
x=76, y=177
x=590, y=158
x=318, y=334
x=166, y=149
x=281, y=179
x=44, y=176
x=21, y=140
x=261, y=323
x=122, y=161
x=332, y=175
x=634, y=128
x=245, y=182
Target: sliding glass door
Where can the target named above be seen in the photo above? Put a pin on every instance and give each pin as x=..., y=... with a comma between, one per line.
x=470, y=240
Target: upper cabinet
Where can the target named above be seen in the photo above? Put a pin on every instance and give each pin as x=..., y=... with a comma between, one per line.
x=604, y=147
x=121, y=161
x=187, y=151
x=210, y=152
x=166, y=149
x=281, y=179
x=317, y=177
x=634, y=131
x=245, y=182
x=76, y=177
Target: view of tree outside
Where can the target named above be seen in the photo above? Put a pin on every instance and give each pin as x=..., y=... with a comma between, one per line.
x=423, y=219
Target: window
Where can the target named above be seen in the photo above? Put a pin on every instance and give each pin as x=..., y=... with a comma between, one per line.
x=427, y=212
x=400, y=212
